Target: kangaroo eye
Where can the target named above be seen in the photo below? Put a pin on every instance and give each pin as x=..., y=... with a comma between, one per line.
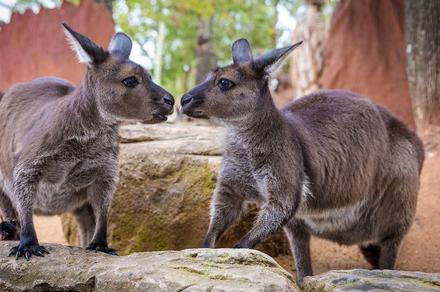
x=130, y=82
x=225, y=84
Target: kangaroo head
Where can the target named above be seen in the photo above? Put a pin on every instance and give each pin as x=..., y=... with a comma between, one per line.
x=234, y=91
x=122, y=89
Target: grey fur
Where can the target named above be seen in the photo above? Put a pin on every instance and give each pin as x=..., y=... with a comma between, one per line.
x=59, y=144
x=120, y=44
x=241, y=51
x=271, y=61
x=332, y=164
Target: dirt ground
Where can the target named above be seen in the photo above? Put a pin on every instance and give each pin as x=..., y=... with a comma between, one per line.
x=49, y=229
x=420, y=251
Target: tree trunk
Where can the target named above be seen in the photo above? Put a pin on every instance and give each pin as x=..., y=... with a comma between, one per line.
x=366, y=52
x=157, y=71
x=308, y=62
x=206, y=59
x=108, y=4
x=274, y=22
x=423, y=39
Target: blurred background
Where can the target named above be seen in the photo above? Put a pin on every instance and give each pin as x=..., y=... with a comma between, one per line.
x=388, y=50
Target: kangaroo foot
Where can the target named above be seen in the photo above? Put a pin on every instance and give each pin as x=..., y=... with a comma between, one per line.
x=102, y=247
x=9, y=230
x=27, y=250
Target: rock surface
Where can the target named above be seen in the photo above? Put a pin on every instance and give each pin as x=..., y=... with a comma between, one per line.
x=376, y=280
x=167, y=176
x=74, y=269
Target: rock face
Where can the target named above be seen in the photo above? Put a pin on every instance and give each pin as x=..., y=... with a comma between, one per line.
x=74, y=269
x=366, y=52
x=377, y=280
x=167, y=176
x=26, y=54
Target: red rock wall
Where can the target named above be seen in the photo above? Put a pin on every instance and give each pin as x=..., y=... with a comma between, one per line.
x=366, y=52
x=33, y=45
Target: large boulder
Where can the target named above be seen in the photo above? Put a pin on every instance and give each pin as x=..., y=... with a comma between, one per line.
x=167, y=176
x=74, y=269
x=376, y=280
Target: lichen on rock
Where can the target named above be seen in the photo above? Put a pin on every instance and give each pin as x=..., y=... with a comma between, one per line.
x=167, y=177
x=374, y=280
x=75, y=269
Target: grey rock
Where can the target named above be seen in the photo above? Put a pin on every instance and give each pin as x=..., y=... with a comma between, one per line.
x=74, y=269
x=167, y=177
x=373, y=280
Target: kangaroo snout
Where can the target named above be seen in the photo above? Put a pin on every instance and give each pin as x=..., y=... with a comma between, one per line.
x=186, y=99
x=192, y=105
x=169, y=99
x=193, y=102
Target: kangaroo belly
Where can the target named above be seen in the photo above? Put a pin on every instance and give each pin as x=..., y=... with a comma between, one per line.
x=345, y=225
x=62, y=193
x=54, y=199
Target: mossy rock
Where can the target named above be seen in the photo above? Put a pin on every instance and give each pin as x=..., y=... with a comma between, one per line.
x=163, y=197
x=372, y=280
x=75, y=269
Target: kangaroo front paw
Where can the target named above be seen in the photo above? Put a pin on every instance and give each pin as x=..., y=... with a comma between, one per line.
x=102, y=247
x=244, y=243
x=239, y=245
x=9, y=230
x=27, y=250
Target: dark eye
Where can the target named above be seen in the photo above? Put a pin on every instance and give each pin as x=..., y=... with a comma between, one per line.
x=225, y=84
x=130, y=82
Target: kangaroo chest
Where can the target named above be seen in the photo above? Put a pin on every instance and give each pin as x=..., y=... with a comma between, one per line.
x=67, y=176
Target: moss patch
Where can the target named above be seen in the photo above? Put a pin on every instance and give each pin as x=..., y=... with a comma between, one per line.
x=162, y=203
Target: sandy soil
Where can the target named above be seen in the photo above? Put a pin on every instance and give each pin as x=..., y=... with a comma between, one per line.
x=49, y=229
x=420, y=251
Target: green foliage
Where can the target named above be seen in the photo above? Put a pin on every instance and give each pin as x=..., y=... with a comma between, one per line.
x=231, y=19
x=255, y=20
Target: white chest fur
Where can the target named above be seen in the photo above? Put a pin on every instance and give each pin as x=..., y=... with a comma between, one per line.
x=330, y=220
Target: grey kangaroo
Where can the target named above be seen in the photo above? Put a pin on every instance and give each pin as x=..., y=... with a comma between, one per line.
x=59, y=143
x=332, y=164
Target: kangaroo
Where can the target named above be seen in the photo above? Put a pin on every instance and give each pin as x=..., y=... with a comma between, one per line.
x=331, y=164
x=59, y=143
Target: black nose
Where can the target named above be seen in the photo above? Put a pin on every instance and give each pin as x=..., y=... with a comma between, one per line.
x=186, y=99
x=168, y=99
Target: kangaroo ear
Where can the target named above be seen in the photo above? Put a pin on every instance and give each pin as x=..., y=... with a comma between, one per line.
x=120, y=45
x=271, y=61
x=86, y=50
x=241, y=51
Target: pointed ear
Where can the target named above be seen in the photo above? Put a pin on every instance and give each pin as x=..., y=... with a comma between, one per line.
x=86, y=50
x=271, y=61
x=120, y=45
x=241, y=51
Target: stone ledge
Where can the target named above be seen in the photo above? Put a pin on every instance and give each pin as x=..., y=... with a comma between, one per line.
x=74, y=269
x=373, y=280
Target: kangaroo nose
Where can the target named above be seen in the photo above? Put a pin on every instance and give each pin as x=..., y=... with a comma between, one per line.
x=186, y=99
x=168, y=99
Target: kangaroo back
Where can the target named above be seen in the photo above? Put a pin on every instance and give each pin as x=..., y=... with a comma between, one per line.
x=397, y=130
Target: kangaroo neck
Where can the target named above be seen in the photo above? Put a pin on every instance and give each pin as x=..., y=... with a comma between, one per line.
x=263, y=126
